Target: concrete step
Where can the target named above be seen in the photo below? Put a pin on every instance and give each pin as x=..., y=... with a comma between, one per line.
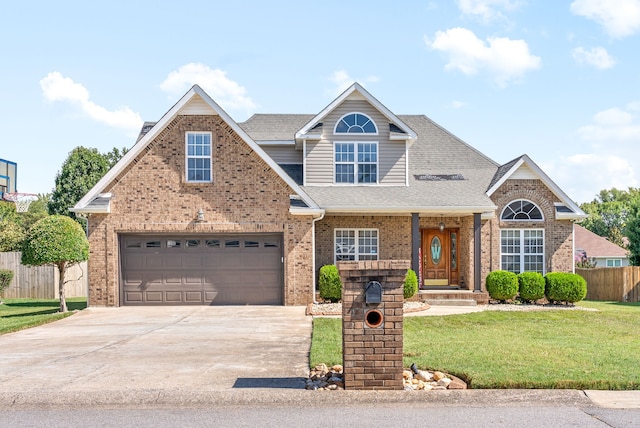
x=451, y=302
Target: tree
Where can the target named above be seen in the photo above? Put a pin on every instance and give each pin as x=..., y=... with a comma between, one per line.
x=633, y=234
x=115, y=155
x=59, y=241
x=37, y=209
x=609, y=213
x=11, y=236
x=80, y=172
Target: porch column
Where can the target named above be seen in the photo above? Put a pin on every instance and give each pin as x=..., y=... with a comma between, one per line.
x=415, y=243
x=477, y=250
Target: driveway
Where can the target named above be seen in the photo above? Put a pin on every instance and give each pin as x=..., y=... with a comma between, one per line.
x=160, y=348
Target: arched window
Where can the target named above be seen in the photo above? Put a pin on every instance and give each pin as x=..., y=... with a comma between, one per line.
x=521, y=210
x=356, y=123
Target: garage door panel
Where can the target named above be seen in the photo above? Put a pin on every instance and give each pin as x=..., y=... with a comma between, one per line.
x=242, y=269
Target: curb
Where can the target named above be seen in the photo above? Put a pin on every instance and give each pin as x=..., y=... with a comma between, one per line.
x=151, y=398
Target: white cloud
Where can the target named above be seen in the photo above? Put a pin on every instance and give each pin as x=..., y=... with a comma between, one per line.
x=505, y=59
x=608, y=160
x=226, y=92
x=57, y=88
x=487, y=9
x=583, y=175
x=598, y=57
x=620, y=18
x=342, y=81
x=458, y=104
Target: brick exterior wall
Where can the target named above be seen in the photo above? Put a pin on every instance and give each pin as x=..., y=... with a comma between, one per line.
x=558, y=234
x=372, y=354
x=152, y=196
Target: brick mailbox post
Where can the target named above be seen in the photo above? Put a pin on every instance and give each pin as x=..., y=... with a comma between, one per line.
x=372, y=323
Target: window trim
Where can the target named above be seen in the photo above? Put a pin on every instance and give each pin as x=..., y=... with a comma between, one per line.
x=187, y=156
x=355, y=163
x=355, y=133
x=357, y=231
x=522, y=252
x=521, y=220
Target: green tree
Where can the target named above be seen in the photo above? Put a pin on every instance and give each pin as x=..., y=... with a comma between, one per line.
x=8, y=211
x=633, y=234
x=609, y=213
x=37, y=209
x=11, y=236
x=59, y=241
x=80, y=172
x=115, y=155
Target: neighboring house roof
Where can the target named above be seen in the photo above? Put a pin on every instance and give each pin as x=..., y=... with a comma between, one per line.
x=522, y=167
x=92, y=202
x=595, y=245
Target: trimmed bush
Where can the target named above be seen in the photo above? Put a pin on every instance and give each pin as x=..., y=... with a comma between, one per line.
x=330, y=284
x=410, y=284
x=565, y=287
x=6, y=276
x=531, y=286
x=502, y=285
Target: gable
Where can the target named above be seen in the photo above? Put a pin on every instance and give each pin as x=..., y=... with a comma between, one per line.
x=194, y=103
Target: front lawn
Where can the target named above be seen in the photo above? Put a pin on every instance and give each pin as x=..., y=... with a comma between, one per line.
x=18, y=314
x=493, y=349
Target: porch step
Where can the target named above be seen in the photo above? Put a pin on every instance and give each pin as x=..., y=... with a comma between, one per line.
x=451, y=302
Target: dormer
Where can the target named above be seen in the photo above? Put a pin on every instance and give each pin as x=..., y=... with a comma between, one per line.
x=355, y=140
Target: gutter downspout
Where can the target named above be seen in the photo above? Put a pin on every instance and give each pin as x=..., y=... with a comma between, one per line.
x=313, y=256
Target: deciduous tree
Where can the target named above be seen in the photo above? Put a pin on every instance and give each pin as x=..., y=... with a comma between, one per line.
x=59, y=241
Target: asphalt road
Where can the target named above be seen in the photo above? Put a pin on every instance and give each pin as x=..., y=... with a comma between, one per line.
x=352, y=416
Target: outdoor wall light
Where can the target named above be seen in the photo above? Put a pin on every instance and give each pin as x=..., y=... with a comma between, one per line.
x=441, y=225
x=200, y=217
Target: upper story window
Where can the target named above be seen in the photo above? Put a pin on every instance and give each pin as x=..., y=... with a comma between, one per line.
x=198, y=156
x=356, y=163
x=356, y=123
x=521, y=210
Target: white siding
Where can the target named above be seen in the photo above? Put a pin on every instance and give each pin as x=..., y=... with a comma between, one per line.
x=391, y=154
x=197, y=106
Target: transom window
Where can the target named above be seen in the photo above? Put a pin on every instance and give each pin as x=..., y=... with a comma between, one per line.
x=522, y=250
x=356, y=244
x=521, y=210
x=356, y=123
x=356, y=163
x=198, y=156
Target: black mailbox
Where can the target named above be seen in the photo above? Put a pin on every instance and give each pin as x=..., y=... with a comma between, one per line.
x=373, y=292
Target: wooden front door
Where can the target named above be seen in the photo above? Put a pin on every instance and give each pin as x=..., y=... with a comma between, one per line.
x=440, y=257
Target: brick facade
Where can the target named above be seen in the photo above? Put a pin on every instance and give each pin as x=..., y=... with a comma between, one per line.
x=152, y=196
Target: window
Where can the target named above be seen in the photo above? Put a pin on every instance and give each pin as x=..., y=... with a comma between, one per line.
x=356, y=163
x=198, y=156
x=521, y=210
x=355, y=123
x=356, y=244
x=614, y=262
x=522, y=250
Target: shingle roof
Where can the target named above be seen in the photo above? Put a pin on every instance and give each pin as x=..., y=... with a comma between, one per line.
x=435, y=152
x=595, y=245
x=274, y=127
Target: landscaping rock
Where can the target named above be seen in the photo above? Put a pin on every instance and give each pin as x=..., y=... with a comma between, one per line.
x=321, y=377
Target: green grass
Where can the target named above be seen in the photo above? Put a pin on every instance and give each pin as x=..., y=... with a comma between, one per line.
x=18, y=314
x=492, y=349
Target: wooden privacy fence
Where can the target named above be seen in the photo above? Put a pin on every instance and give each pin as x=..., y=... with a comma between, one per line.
x=620, y=284
x=41, y=282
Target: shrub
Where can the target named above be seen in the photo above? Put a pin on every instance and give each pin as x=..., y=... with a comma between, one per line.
x=11, y=236
x=410, y=284
x=6, y=276
x=502, y=285
x=565, y=287
x=330, y=284
x=531, y=286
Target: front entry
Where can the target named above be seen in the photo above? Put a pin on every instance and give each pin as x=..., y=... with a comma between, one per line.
x=439, y=257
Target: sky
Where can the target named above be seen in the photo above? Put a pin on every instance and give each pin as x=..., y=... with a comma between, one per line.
x=556, y=80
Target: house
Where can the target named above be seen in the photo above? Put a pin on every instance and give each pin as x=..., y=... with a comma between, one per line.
x=205, y=210
x=602, y=251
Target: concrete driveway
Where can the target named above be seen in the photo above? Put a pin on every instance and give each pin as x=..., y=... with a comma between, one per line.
x=160, y=348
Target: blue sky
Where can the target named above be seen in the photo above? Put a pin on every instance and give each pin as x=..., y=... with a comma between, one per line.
x=559, y=81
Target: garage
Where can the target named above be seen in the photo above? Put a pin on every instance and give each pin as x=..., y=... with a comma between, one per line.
x=233, y=269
